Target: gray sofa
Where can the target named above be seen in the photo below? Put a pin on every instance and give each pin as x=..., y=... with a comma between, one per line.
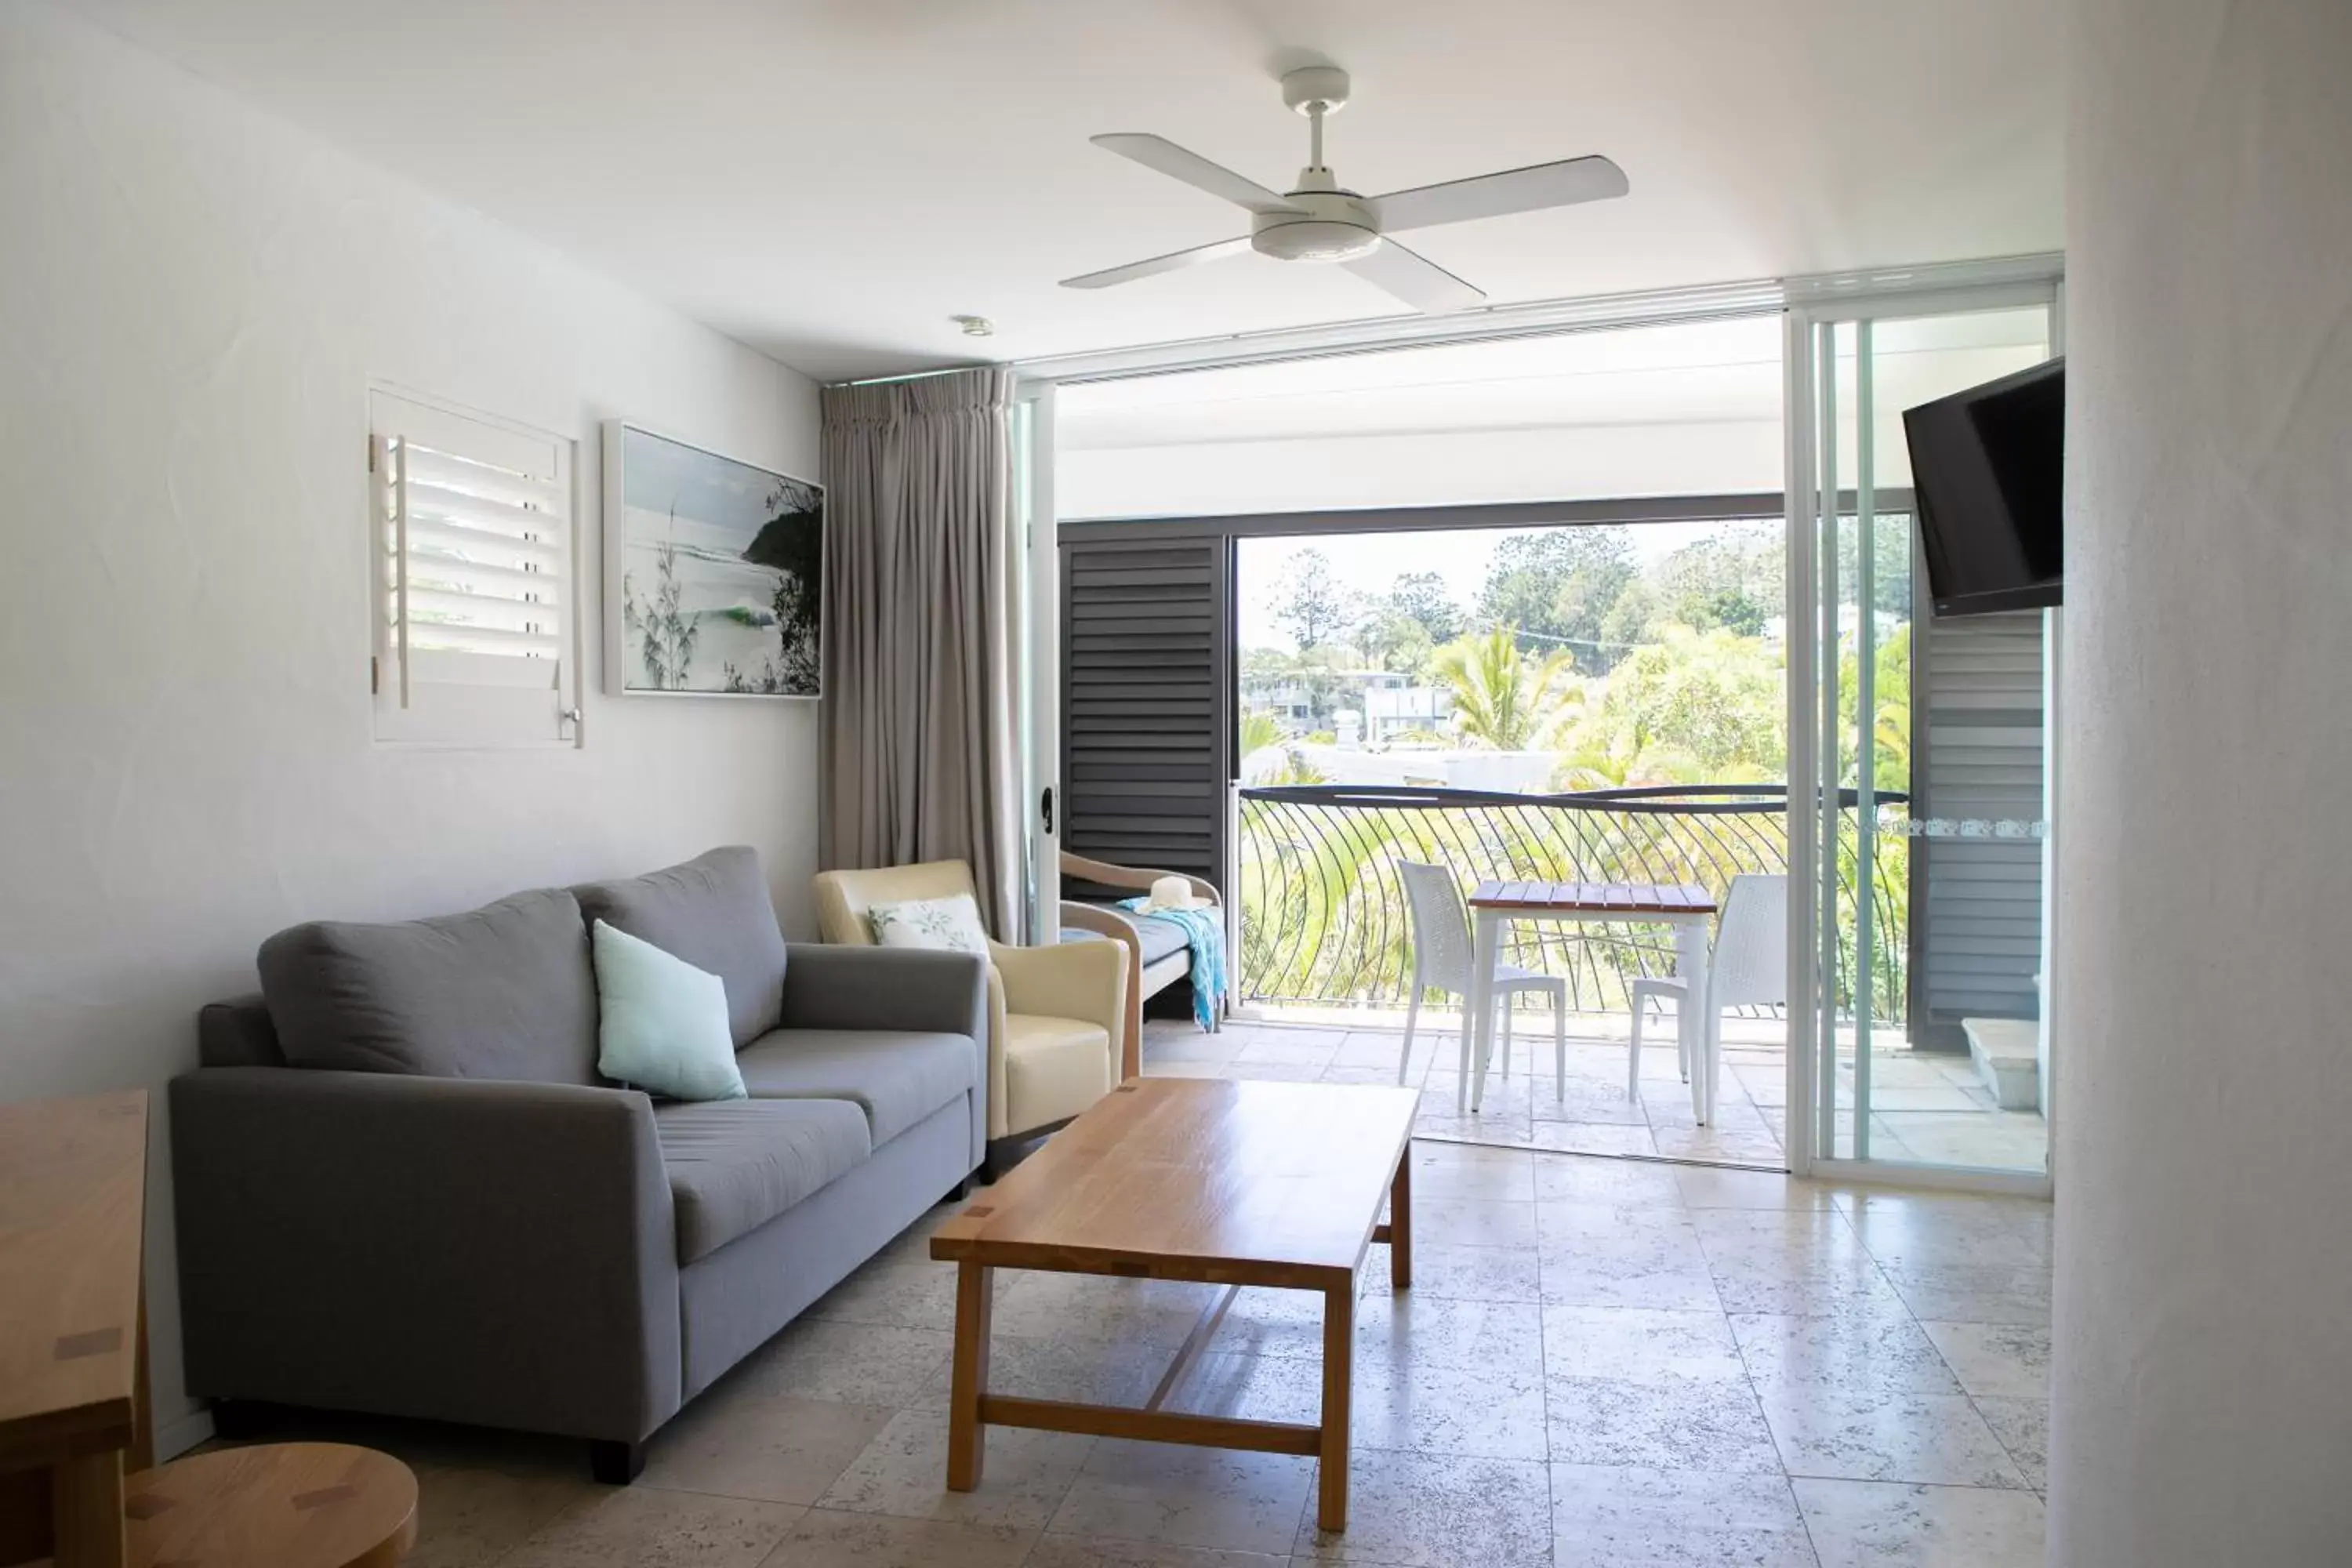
x=402, y=1188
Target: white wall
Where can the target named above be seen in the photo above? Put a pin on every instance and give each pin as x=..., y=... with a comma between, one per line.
x=2203, y=1384
x=193, y=301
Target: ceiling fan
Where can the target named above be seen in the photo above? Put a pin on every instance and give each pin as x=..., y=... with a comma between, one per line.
x=1320, y=220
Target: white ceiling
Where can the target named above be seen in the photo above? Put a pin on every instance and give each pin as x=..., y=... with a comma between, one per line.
x=831, y=180
x=1694, y=409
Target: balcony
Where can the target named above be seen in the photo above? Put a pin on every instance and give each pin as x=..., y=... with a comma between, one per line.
x=1326, y=949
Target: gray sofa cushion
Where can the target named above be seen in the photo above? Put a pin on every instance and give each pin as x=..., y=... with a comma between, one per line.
x=897, y=1078
x=502, y=991
x=735, y=1164
x=714, y=913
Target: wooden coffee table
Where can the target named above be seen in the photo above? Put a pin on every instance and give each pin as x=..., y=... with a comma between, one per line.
x=1233, y=1183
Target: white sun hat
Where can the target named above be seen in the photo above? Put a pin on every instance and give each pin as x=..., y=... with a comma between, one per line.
x=1174, y=893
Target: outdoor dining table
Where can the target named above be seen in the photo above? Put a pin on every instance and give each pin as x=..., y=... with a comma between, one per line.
x=1689, y=910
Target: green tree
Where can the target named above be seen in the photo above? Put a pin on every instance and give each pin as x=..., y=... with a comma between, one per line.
x=1297, y=770
x=1423, y=596
x=1557, y=587
x=1389, y=639
x=1735, y=579
x=1308, y=602
x=1632, y=620
x=1311, y=676
x=1694, y=706
x=1505, y=698
x=1260, y=730
x=1890, y=563
x=1891, y=708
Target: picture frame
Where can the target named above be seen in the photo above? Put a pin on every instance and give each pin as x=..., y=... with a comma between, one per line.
x=714, y=573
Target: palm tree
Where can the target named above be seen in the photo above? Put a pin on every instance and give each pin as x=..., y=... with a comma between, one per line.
x=1260, y=730
x=1501, y=696
x=1297, y=770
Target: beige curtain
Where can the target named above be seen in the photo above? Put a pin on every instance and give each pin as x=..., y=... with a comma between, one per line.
x=917, y=736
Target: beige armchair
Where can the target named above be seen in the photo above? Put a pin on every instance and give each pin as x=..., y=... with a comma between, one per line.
x=1057, y=1015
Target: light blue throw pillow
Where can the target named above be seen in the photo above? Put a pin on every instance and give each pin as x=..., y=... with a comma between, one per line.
x=663, y=1023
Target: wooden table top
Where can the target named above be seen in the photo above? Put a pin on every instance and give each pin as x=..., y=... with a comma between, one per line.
x=73, y=1191
x=1232, y=1183
x=1629, y=901
x=288, y=1505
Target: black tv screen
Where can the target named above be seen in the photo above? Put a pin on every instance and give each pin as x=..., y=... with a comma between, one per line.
x=1988, y=466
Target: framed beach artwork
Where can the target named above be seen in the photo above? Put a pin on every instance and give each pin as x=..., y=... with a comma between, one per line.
x=713, y=573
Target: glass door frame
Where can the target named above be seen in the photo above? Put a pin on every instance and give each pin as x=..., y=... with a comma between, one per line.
x=1809, y=424
x=1034, y=576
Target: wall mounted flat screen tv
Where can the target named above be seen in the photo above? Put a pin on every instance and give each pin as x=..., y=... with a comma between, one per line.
x=1987, y=465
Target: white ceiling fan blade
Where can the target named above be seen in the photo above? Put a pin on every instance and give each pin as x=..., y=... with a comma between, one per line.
x=1167, y=263
x=1160, y=154
x=1416, y=279
x=1524, y=190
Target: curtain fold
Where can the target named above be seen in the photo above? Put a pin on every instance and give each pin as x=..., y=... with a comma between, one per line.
x=917, y=732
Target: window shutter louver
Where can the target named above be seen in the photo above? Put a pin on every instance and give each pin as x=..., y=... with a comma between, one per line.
x=473, y=524
x=1145, y=712
x=1977, y=915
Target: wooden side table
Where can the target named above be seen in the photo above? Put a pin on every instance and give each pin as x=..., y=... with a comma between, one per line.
x=285, y=1505
x=73, y=1334
x=73, y=1388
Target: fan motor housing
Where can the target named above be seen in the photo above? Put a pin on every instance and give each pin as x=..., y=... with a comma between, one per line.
x=1328, y=225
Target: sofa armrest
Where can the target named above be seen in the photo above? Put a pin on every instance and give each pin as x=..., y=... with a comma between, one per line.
x=1082, y=980
x=914, y=989
x=471, y=1250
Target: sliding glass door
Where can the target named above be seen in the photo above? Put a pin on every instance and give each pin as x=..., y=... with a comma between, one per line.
x=1033, y=577
x=1917, y=911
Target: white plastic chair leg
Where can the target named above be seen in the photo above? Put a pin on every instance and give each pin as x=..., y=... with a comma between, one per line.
x=1714, y=1034
x=1634, y=1055
x=1469, y=1035
x=1412, y=1017
x=1506, y=1033
x=1559, y=1044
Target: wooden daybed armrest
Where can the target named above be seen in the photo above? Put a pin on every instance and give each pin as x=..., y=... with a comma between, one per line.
x=1138, y=877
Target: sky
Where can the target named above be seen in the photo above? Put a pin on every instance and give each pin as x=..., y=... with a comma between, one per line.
x=728, y=500
x=1369, y=563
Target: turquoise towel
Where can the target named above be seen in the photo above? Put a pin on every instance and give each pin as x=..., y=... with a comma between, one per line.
x=1204, y=933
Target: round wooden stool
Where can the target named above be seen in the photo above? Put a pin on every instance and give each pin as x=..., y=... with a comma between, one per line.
x=277, y=1505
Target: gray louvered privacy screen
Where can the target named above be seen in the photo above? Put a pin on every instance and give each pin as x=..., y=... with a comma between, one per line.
x=1147, y=686
x=1977, y=902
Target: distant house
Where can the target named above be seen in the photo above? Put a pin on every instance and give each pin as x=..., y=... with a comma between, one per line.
x=1391, y=709
x=1385, y=701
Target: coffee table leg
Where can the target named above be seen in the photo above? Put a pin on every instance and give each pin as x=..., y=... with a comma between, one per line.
x=1400, y=1222
x=1338, y=1381
x=968, y=1378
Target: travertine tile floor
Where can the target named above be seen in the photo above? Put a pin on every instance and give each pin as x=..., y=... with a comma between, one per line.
x=1927, y=1107
x=1600, y=1362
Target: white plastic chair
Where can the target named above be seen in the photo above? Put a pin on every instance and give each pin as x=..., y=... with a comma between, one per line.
x=1441, y=960
x=1749, y=965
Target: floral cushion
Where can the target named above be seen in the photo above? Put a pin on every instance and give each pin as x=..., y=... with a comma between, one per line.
x=951, y=922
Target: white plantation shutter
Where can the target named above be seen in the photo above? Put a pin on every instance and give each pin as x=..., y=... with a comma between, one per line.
x=473, y=575
x=1977, y=902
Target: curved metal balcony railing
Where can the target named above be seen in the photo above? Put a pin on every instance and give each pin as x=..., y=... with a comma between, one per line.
x=1323, y=917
